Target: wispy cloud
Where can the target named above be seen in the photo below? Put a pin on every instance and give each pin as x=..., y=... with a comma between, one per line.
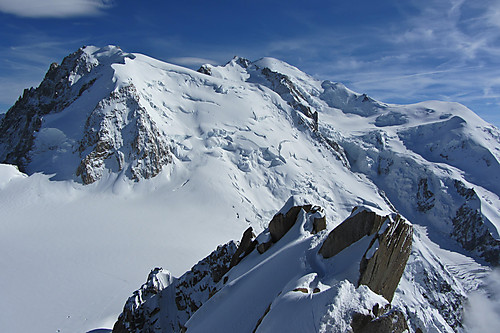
x=438, y=49
x=25, y=63
x=54, y=8
x=190, y=61
x=463, y=30
x=482, y=313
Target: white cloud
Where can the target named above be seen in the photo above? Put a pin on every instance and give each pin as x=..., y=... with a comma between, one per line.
x=482, y=314
x=462, y=29
x=53, y=8
x=190, y=61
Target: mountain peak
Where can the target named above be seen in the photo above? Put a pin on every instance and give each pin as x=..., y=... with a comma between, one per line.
x=243, y=62
x=108, y=54
x=226, y=149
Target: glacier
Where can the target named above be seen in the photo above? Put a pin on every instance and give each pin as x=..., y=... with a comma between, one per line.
x=118, y=163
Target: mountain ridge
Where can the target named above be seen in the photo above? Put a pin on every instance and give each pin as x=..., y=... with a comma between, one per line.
x=252, y=134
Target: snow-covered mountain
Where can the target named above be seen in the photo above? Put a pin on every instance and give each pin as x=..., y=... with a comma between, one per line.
x=212, y=152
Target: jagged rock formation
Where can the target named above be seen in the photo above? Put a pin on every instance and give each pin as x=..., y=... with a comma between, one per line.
x=151, y=308
x=384, y=261
x=281, y=223
x=119, y=134
x=382, y=270
x=60, y=87
x=392, y=321
x=145, y=310
x=142, y=306
x=470, y=226
x=359, y=225
x=247, y=245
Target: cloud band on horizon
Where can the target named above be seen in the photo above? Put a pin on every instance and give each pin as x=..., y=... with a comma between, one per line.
x=54, y=8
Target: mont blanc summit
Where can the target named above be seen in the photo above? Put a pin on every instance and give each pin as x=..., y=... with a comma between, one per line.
x=264, y=193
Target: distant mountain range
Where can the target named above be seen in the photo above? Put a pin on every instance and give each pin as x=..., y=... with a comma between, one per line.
x=391, y=216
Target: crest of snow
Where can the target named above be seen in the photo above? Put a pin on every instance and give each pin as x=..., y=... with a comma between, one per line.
x=8, y=173
x=348, y=300
x=282, y=67
x=294, y=200
x=234, y=70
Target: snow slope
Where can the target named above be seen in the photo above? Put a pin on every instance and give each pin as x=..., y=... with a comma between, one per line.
x=180, y=161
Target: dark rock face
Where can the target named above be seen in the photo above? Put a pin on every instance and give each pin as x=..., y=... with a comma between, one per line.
x=142, y=144
x=263, y=247
x=319, y=223
x=281, y=223
x=392, y=322
x=247, y=245
x=470, y=231
x=470, y=226
x=448, y=300
x=350, y=231
x=144, y=305
x=201, y=282
x=382, y=271
x=183, y=296
x=205, y=69
x=165, y=304
x=425, y=198
x=385, y=259
x=56, y=92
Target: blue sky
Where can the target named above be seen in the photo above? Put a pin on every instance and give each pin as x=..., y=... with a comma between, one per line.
x=395, y=51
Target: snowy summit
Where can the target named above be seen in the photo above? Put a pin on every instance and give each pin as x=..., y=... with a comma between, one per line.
x=356, y=215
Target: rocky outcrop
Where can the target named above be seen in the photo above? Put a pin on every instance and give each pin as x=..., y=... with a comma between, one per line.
x=205, y=69
x=319, y=224
x=203, y=280
x=247, y=245
x=425, y=198
x=182, y=297
x=58, y=89
x=141, y=309
x=469, y=227
x=281, y=223
x=164, y=304
x=361, y=223
x=393, y=321
x=385, y=260
x=282, y=85
x=120, y=135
